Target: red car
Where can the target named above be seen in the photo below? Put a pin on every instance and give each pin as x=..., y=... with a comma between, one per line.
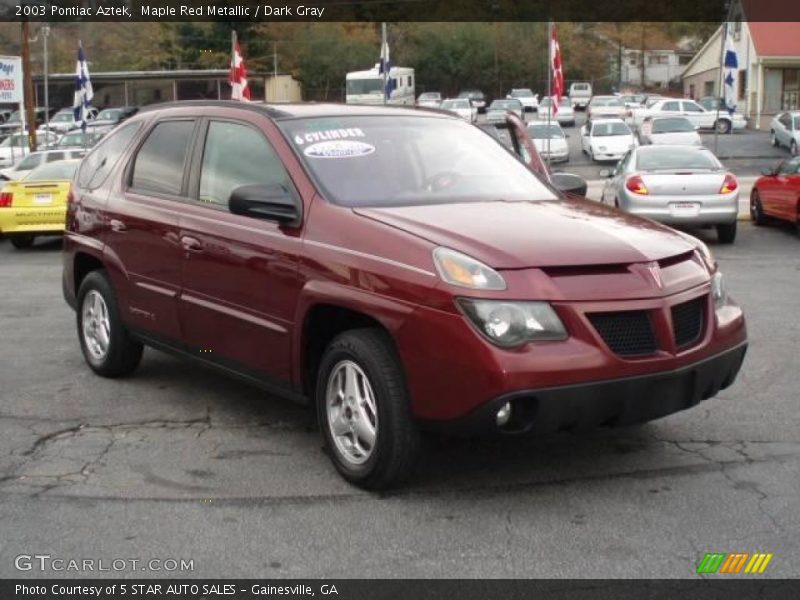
x=777, y=194
x=398, y=269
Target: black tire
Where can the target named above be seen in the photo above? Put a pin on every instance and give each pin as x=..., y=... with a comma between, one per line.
x=793, y=148
x=22, y=240
x=756, y=210
x=723, y=126
x=123, y=354
x=773, y=138
x=726, y=233
x=397, y=440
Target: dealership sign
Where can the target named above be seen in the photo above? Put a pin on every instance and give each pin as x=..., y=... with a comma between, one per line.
x=10, y=79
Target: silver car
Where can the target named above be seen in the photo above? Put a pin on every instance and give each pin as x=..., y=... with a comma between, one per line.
x=496, y=113
x=676, y=185
x=565, y=115
x=669, y=130
x=785, y=131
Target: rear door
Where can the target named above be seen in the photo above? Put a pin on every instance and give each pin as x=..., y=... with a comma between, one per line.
x=239, y=273
x=787, y=190
x=142, y=228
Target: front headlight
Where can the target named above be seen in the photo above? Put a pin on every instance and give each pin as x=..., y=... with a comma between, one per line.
x=701, y=249
x=719, y=291
x=464, y=271
x=510, y=324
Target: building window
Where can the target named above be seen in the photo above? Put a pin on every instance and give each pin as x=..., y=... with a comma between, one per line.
x=684, y=59
x=742, y=92
x=708, y=88
x=658, y=59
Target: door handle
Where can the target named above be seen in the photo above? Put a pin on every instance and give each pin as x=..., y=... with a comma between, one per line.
x=117, y=225
x=191, y=244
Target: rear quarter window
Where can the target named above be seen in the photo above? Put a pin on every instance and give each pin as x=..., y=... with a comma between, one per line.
x=99, y=162
x=159, y=165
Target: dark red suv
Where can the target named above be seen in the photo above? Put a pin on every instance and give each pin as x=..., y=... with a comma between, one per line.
x=397, y=268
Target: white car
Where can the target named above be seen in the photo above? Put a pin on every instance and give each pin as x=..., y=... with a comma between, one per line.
x=697, y=115
x=550, y=140
x=564, y=116
x=34, y=159
x=529, y=100
x=460, y=107
x=580, y=92
x=785, y=131
x=604, y=107
x=607, y=139
x=429, y=100
x=15, y=147
x=669, y=130
x=496, y=113
x=64, y=120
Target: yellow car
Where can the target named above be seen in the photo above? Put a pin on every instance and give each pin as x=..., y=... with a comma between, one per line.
x=36, y=204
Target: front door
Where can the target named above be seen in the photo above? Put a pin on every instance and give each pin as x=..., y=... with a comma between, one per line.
x=239, y=273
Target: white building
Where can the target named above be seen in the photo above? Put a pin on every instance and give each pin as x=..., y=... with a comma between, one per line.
x=661, y=67
x=769, y=68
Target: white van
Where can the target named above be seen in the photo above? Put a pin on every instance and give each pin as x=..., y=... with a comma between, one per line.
x=580, y=93
x=366, y=87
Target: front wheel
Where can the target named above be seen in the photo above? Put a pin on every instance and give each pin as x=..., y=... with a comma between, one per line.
x=773, y=138
x=105, y=342
x=723, y=126
x=364, y=412
x=793, y=148
x=726, y=233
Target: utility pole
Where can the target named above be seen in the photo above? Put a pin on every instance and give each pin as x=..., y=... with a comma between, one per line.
x=275, y=70
x=28, y=86
x=46, y=32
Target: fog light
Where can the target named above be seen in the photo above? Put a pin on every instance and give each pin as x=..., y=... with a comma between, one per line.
x=504, y=414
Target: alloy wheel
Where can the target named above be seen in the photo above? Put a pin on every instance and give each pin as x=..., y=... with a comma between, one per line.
x=352, y=412
x=96, y=325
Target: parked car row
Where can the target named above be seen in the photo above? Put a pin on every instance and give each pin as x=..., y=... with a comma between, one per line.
x=62, y=121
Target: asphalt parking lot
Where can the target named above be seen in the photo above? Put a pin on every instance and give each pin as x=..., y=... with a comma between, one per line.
x=180, y=463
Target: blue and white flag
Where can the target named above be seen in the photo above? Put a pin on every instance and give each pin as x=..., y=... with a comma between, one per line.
x=731, y=71
x=83, y=91
x=386, y=68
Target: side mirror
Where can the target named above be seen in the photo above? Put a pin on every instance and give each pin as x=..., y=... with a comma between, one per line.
x=569, y=183
x=272, y=202
x=606, y=173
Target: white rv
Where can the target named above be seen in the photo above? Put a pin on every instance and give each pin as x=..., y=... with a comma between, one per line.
x=366, y=87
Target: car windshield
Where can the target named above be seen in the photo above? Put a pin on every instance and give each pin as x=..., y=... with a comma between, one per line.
x=606, y=102
x=456, y=104
x=522, y=93
x=72, y=139
x=672, y=125
x=430, y=96
x=610, y=129
x=409, y=160
x=65, y=117
x=505, y=105
x=473, y=95
x=668, y=159
x=543, y=132
x=58, y=170
x=109, y=115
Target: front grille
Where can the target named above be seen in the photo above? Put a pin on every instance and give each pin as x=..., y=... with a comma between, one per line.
x=688, y=322
x=627, y=333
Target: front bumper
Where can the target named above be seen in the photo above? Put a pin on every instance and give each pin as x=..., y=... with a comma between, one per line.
x=615, y=402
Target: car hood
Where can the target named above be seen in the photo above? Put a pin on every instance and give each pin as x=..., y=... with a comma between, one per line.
x=618, y=142
x=515, y=235
x=556, y=144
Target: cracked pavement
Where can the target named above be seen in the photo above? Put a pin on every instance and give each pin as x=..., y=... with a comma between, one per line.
x=179, y=462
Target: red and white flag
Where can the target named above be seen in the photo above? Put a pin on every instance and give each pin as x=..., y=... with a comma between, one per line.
x=238, y=76
x=557, y=90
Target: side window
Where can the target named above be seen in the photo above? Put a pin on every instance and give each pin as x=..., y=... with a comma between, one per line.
x=51, y=156
x=789, y=167
x=29, y=162
x=236, y=155
x=671, y=106
x=785, y=120
x=692, y=107
x=98, y=164
x=158, y=166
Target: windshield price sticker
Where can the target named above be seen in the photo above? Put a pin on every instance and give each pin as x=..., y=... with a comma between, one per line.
x=339, y=149
x=330, y=134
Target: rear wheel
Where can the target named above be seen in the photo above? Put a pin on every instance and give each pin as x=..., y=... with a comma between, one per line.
x=22, y=240
x=363, y=409
x=726, y=233
x=723, y=126
x=106, y=345
x=756, y=210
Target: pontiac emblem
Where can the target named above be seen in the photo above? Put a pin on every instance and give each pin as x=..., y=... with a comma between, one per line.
x=655, y=273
